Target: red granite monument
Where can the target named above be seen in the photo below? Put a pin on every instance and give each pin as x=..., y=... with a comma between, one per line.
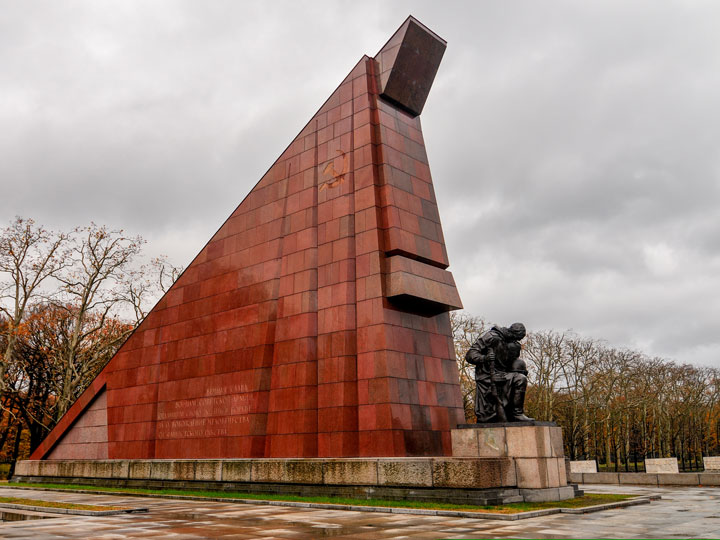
x=314, y=323
x=307, y=348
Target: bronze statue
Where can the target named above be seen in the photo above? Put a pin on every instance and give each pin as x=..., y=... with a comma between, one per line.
x=500, y=375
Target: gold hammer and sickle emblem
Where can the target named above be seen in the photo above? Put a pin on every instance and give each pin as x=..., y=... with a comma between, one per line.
x=338, y=177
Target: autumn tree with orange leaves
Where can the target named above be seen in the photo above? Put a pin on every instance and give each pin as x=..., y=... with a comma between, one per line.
x=67, y=302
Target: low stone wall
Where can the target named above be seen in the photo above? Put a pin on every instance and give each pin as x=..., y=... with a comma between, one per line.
x=648, y=479
x=481, y=481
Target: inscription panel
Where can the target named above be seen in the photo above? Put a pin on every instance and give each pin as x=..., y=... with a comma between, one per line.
x=583, y=466
x=661, y=465
x=223, y=411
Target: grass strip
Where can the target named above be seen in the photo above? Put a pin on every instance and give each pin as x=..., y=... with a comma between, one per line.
x=589, y=499
x=53, y=504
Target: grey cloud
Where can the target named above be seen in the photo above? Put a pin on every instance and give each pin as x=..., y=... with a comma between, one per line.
x=573, y=144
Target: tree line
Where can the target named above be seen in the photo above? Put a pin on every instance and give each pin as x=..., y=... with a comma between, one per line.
x=68, y=300
x=615, y=405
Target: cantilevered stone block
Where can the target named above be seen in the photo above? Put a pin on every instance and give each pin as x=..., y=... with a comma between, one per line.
x=408, y=64
x=419, y=286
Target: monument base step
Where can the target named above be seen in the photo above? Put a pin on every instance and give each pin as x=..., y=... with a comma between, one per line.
x=476, y=481
x=477, y=497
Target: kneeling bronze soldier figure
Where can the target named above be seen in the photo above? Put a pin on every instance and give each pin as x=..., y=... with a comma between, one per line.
x=500, y=375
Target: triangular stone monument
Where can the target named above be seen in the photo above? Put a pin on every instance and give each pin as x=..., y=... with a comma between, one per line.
x=314, y=323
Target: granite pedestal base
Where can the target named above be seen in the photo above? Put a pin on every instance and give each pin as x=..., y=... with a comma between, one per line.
x=462, y=480
x=534, y=448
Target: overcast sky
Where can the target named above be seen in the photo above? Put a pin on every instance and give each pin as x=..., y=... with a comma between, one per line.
x=574, y=146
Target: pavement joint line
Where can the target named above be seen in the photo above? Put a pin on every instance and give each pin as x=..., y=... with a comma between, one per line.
x=643, y=499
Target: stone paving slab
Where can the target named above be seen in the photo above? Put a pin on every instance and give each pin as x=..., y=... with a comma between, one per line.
x=682, y=513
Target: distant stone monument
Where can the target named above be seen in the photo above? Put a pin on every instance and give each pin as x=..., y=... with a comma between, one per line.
x=583, y=466
x=661, y=465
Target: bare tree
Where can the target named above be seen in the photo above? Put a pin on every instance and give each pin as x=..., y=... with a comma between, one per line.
x=29, y=256
x=545, y=355
x=94, y=292
x=145, y=286
x=466, y=329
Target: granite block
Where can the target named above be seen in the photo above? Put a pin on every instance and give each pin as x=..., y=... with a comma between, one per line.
x=533, y=472
x=120, y=468
x=161, y=470
x=678, y=479
x=46, y=468
x=101, y=469
x=553, y=472
x=464, y=442
x=84, y=469
x=542, y=495
x=562, y=471
x=236, y=471
x=66, y=468
x=601, y=478
x=181, y=470
x=557, y=446
x=709, y=479
x=492, y=442
x=473, y=473
x=28, y=468
x=528, y=442
x=287, y=471
x=405, y=472
x=139, y=469
x=638, y=478
x=208, y=470
x=350, y=472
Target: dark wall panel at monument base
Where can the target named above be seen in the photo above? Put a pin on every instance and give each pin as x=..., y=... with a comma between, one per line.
x=315, y=321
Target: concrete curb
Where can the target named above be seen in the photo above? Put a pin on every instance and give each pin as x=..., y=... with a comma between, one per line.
x=380, y=509
x=72, y=511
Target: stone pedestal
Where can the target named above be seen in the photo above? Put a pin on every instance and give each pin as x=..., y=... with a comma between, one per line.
x=535, y=449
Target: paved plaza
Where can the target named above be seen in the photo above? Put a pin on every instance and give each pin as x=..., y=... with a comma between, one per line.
x=682, y=513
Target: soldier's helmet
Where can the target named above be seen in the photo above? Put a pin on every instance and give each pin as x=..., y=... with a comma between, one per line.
x=517, y=330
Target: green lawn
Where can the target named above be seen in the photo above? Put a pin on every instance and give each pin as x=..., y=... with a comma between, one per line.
x=590, y=499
